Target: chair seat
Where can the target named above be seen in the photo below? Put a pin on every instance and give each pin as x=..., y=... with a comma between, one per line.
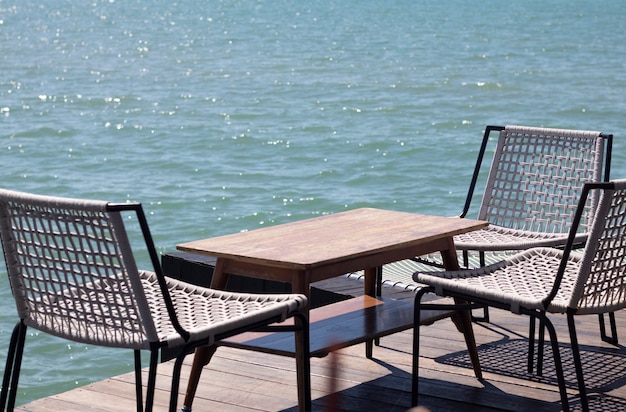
x=498, y=238
x=206, y=313
x=524, y=279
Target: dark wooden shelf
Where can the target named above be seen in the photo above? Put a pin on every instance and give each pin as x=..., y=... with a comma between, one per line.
x=340, y=325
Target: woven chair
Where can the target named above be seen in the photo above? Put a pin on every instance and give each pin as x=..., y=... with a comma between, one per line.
x=550, y=280
x=73, y=275
x=534, y=180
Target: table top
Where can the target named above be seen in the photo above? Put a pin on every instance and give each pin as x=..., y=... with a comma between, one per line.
x=323, y=240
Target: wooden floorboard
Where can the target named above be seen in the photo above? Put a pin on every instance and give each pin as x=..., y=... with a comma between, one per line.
x=238, y=380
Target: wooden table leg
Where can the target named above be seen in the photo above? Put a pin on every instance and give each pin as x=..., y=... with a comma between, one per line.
x=462, y=318
x=369, y=289
x=301, y=284
x=201, y=358
x=463, y=322
x=369, y=283
x=219, y=279
x=449, y=257
x=303, y=362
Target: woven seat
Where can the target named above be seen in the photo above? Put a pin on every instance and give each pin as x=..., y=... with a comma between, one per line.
x=74, y=275
x=497, y=238
x=550, y=280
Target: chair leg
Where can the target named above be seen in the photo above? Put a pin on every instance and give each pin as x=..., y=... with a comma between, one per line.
x=558, y=365
x=577, y=362
x=201, y=358
x=8, y=368
x=531, y=344
x=303, y=361
x=541, y=346
x=178, y=365
x=138, y=381
x=484, y=317
x=463, y=322
x=12, y=367
x=417, y=310
x=152, y=373
x=17, y=365
x=608, y=339
x=379, y=292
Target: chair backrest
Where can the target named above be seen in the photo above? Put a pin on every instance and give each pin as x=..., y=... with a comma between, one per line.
x=537, y=175
x=72, y=271
x=601, y=282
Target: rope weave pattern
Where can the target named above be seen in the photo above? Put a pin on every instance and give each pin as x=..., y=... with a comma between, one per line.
x=207, y=312
x=67, y=275
x=534, y=184
x=522, y=280
x=605, y=286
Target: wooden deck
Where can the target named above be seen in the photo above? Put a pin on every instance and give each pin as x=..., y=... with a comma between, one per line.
x=238, y=380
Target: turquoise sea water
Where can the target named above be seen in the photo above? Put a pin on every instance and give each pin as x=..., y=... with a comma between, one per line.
x=224, y=116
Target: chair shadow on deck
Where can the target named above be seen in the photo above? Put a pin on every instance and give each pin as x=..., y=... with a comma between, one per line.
x=389, y=392
x=392, y=392
x=604, y=368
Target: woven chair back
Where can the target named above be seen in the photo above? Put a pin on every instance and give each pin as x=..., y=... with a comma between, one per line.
x=536, y=178
x=72, y=272
x=601, y=284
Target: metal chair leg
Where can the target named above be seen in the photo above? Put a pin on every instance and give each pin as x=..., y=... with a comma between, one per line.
x=462, y=321
x=8, y=368
x=178, y=365
x=608, y=339
x=531, y=344
x=541, y=346
x=558, y=365
x=154, y=360
x=379, y=292
x=10, y=364
x=138, y=381
x=17, y=364
x=577, y=362
x=416, y=355
x=416, y=345
x=484, y=317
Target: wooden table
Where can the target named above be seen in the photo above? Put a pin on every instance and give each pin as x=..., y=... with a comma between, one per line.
x=311, y=250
